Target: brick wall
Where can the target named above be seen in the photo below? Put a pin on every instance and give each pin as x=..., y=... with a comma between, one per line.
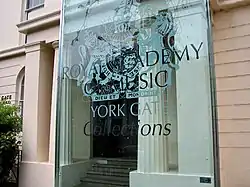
x=232, y=64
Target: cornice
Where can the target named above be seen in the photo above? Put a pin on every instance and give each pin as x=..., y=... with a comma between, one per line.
x=12, y=52
x=27, y=48
x=55, y=44
x=53, y=19
x=219, y=5
x=36, y=46
x=38, y=23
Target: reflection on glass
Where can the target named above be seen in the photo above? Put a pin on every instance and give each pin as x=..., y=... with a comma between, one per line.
x=134, y=105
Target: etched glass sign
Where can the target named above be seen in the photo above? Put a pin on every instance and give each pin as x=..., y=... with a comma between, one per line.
x=118, y=56
x=134, y=101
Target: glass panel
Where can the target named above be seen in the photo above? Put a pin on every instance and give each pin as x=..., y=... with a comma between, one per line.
x=134, y=100
x=22, y=90
x=34, y=3
x=21, y=108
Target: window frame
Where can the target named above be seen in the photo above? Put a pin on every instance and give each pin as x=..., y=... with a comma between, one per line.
x=21, y=95
x=20, y=98
x=29, y=9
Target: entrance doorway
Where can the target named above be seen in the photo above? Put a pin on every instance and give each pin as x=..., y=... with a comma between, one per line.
x=115, y=130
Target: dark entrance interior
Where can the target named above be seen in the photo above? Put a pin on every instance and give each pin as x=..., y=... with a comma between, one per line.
x=114, y=131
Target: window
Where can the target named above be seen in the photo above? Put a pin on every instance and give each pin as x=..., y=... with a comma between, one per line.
x=21, y=98
x=34, y=3
x=20, y=90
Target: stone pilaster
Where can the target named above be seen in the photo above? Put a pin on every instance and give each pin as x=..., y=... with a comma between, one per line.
x=55, y=45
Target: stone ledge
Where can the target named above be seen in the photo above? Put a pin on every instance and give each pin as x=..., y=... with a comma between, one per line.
x=39, y=23
x=36, y=174
x=12, y=52
x=219, y=5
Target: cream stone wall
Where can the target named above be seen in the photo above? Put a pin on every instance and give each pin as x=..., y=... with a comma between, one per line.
x=9, y=71
x=48, y=35
x=27, y=47
x=231, y=35
x=10, y=15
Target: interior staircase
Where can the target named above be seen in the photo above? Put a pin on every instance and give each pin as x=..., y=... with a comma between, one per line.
x=109, y=173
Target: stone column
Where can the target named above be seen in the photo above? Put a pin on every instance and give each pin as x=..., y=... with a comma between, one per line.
x=55, y=45
x=65, y=129
x=152, y=143
x=152, y=146
x=38, y=85
x=36, y=118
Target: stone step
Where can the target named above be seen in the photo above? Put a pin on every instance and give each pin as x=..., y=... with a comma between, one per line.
x=109, y=173
x=109, y=178
x=121, y=162
x=112, y=168
x=115, y=174
x=85, y=184
x=99, y=185
x=104, y=183
x=115, y=163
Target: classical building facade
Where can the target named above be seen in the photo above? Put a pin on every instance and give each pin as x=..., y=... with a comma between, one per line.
x=81, y=106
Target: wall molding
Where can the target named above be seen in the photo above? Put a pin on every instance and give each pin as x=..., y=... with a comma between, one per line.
x=39, y=23
x=12, y=52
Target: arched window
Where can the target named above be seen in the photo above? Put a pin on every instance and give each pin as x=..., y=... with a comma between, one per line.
x=21, y=96
x=20, y=90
